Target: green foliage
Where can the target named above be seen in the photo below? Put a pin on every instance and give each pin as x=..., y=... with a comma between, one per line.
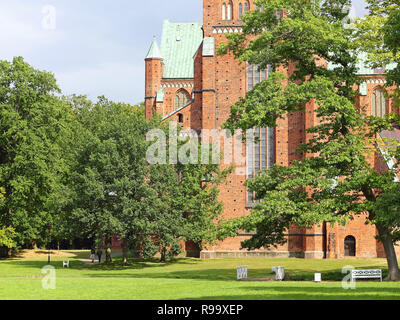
x=114, y=191
x=7, y=236
x=33, y=122
x=197, y=197
x=107, y=184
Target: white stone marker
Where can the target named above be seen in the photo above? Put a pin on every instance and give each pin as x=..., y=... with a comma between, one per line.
x=280, y=273
x=241, y=272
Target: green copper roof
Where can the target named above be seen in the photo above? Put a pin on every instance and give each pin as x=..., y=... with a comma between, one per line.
x=364, y=69
x=179, y=44
x=154, y=52
x=160, y=95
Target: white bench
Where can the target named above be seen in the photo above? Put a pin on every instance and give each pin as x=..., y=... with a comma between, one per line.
x=280, y=273
x=366, y=274
x=241, y=272
x=66, y=263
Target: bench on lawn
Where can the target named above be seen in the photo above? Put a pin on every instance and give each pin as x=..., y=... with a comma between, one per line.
x=66, y=263
x=366, y=274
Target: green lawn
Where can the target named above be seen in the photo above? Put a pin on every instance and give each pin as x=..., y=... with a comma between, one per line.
x=188, y=279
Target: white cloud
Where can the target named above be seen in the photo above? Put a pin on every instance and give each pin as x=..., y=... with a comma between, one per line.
x=21, y=30
x=114, y=80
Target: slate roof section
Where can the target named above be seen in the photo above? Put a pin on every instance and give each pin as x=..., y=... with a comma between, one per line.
x=394, y=134
x=179, y=43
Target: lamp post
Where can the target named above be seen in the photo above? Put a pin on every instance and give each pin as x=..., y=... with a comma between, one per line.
x=49, y=228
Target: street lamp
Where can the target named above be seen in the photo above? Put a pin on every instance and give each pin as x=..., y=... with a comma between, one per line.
x=49, y=228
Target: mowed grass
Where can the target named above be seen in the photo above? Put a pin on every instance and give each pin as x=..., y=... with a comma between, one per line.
x=186, y=279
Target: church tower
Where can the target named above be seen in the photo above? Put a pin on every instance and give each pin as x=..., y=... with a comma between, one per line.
x=154, y=67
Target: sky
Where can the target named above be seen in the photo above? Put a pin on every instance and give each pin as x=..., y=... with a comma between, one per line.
x=93, y=47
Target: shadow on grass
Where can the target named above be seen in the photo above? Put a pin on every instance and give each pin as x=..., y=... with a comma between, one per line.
x=309, y=293
x=210, y=274
x=21, y=255
x=73, y=264
x=136, y=264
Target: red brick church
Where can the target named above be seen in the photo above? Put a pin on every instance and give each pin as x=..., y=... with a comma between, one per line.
x=187, y=82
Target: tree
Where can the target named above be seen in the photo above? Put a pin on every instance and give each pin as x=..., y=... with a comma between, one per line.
x=189, y=192
x=113, y=190
x=33, y=122
x=6, y=237
x=107, y=185
x=334, y=181
x=6, y=234
x=198, y=198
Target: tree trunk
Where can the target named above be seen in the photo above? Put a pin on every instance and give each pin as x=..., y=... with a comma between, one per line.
x=124, y=253
x=163, y=254
x=393, y=267
x=386, y=239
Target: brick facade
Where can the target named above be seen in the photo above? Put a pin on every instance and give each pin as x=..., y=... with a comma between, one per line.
x=219, y=82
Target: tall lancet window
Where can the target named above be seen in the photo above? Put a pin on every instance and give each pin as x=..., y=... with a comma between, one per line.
x=255, y=76
x=229, y=11
x=224, y=11
x=378, y=103
x=240, y=11
x=246, y=6
x=182, y=98
x=260, y=154
x=261, y=149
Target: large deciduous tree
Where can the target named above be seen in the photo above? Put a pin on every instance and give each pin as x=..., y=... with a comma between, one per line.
x=108, y=190
x=33, y=123
x=113, y=190
x=334, y=181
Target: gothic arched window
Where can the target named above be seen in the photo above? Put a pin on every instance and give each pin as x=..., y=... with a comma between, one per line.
x=224, y=11
x=255, y=76
x=246, y=6
x=229, y=11
x=260, y=153
x=240, y=11
x=259, y=9
x=350, y=246
x=182, y=98
x=378, y=103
